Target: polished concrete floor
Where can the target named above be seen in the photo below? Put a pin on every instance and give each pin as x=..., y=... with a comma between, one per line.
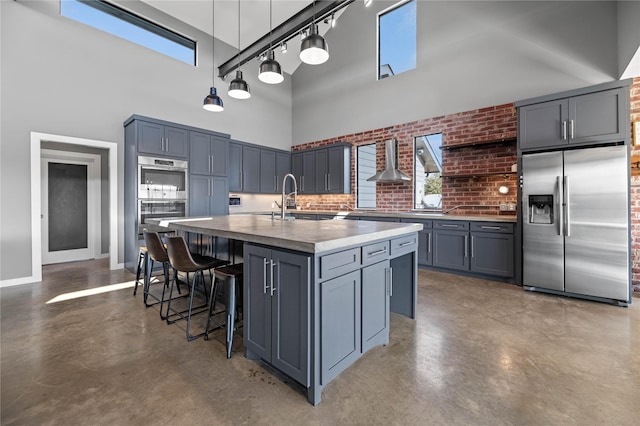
x=479, y=353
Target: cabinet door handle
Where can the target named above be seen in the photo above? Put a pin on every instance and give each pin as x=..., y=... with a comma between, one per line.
x=496, y=228
x=302, y=182
x=275, y=182
x=571, y=128
x=328, y=179
x=390, y=281
x=472, y=242
x=211, y=164
x=466, y=247
x=564, y=130
x=449, y=226
x=166, y=144
x=377, y=252
x=429, y=242
x=408, y=243
x=264, y=276
x=241, y=181
x=273, y=283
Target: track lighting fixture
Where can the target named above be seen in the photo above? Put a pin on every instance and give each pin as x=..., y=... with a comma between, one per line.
x=270, y=70
x=238, y=88
x=213, y=102
x=314, y=49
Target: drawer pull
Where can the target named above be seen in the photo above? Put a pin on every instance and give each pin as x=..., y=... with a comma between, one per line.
x=449, y=226
x=497, y=228
x=377, y=252
x=408, y=243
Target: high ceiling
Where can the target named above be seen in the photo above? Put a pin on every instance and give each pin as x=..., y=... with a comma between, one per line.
x=254, y=21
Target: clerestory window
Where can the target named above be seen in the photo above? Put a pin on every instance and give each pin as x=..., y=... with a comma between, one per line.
x=397, y=39
x=124, y=24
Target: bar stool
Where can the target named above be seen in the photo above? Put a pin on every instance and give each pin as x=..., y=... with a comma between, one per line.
x=181, y=260
x=142, y=260
x=155, y=252
x=229, y=276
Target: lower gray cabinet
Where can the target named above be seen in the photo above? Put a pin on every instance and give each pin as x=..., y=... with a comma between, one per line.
x=340, y=334
x=376, y=287
x=276, y=309
x=492, y=253
x=450, y=249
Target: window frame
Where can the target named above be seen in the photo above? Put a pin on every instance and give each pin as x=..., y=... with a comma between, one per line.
x=357, y=172
x=415, y=173
x=140, y=22
x=378, y=16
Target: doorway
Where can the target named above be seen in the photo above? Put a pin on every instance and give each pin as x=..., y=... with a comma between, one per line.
x=70, y=206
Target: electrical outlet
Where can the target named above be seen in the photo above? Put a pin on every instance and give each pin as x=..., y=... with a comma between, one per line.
x=512, y=207
x=273, y=205
x=504, y=207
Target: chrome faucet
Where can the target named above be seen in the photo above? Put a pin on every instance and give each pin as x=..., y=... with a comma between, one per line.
x=285, y=196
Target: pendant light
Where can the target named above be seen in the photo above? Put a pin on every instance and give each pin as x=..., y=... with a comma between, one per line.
x=213, y=102
x=314, y=50
x=270, y=70
x=238, y=88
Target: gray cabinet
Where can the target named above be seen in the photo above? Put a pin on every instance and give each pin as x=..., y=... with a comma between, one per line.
x=158, y=139
x=277, y=309
x=340, y=316
x=492, y=249
x=244, y=168
x=450, y=249
x=274, y=165
x=376, y=288
x=589, y=118
x=324, y=170
x=208, y=154
x=208, y=195
x=485, y=248
x=256, y=170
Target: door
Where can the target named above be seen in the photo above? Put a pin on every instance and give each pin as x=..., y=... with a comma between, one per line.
x=235, y=167
x=321, y=168
x=290, y=314
x=375, y=305
x=450, y=249
x=70, y=206
x=543, y=125
x=251, y=169
x=257, y=302
x=199, y=153
x=492, y=253
x=268, y=171
x=542, y=221
x=595, y=117
x=596, y=241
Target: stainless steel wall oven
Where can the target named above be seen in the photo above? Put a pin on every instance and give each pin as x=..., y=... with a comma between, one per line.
x=162, y=189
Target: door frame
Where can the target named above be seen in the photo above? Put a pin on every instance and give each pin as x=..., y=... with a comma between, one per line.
x=94, y=197
x=115, y=228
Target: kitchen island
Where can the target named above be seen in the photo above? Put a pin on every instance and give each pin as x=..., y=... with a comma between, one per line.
x=317, y=294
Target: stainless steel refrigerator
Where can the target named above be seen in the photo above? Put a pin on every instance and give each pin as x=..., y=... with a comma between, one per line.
x=575, y=223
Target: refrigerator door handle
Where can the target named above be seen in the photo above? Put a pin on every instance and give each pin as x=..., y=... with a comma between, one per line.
x=560, y=216
x=567, y=209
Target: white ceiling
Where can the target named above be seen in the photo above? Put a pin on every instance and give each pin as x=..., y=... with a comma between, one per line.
x=254, y=21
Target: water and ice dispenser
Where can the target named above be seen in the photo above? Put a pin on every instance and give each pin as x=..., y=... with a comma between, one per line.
x=541, y=209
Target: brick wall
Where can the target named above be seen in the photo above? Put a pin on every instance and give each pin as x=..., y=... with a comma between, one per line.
x=635, y=193
x=479, y=193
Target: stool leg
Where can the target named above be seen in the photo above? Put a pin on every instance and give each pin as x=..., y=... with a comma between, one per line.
x=165, y=270
x=141, y=258
x=212, y=305
x=230, y=307
x=193, y=288
x=147, y=281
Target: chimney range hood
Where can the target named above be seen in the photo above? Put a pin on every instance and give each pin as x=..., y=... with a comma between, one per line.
x=390, y=172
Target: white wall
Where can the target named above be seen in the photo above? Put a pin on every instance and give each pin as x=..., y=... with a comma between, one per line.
x=629, y=38
x=62, y=77
x=470, y=55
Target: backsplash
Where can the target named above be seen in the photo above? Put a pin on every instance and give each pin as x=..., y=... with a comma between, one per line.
x=492, y=124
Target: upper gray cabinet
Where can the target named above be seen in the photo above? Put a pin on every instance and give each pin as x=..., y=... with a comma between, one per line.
x=597, y=117
x=324, y=170
x=157, y=139
x=256, y=170
x=208, y=154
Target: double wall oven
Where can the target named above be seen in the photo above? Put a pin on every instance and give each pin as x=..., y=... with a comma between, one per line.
x=162, y=189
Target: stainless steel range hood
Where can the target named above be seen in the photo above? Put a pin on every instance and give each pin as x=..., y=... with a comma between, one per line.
x=390, y=172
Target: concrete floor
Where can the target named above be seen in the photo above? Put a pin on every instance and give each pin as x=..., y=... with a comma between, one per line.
x=479, y=353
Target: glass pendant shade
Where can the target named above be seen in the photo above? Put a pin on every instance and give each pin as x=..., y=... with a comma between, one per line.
x=314, y=49
x=270, y=70
x=238, y=88
x=213, y=102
